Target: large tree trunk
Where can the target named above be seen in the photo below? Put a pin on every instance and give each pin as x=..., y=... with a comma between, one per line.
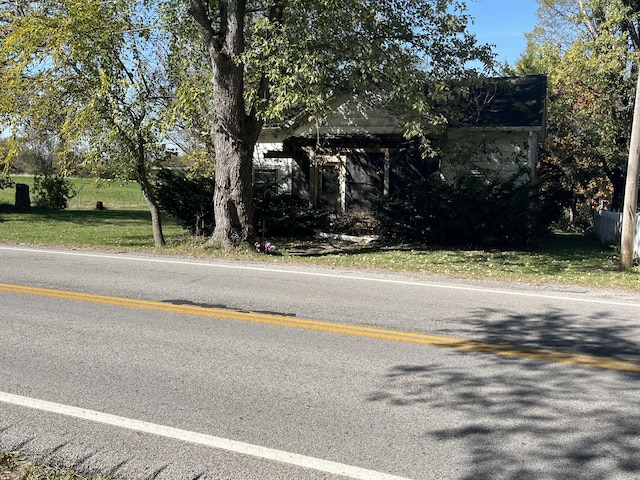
x=234, y=130
x=233, y=197
x=234, y=136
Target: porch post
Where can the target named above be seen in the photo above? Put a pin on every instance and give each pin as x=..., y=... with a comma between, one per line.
x=313, y=176
x=387, y=173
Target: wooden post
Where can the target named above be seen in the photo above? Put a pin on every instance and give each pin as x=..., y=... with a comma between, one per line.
x=631, y=188
x=23, y=201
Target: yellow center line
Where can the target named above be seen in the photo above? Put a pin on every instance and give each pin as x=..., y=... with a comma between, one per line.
x=339, y=328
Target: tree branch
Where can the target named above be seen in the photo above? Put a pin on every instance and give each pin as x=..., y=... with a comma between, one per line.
x=276, y=15
x=199, y=12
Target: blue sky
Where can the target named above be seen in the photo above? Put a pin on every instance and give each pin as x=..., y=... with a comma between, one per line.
x=503, y=23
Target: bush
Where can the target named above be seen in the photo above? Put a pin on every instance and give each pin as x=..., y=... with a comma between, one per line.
x=496, y=213
x=6, y=182
x=188, y=199
x=52, y=192
x=284, y=214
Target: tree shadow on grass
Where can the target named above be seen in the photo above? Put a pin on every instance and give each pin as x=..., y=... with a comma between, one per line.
x=78, y=216
x=558, y=254
x=92, y=217
x=517, y=418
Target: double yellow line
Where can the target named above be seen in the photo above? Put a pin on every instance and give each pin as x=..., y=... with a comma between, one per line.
x=339, y=328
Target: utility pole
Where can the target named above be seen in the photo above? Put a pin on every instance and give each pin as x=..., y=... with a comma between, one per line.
x=631, y=188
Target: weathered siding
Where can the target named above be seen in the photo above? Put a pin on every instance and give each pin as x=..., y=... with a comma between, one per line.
x=352, y=117
x=473, y=152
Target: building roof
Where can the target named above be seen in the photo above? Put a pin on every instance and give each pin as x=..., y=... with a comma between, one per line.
x=507, y=102
x=498, y=103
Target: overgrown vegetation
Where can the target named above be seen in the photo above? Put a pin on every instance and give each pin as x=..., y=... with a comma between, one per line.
x=52, y=191
x=6, y=183
x=285, y=215
x=124, y=225
x=15, y=467
x=492, y=213
x=589, y=51
x=188, y=199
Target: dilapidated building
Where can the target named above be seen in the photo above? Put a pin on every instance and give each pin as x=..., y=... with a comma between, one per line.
x=341, y=161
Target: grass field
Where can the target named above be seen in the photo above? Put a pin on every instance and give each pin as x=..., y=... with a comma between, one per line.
x=125, y=225
x=116, y=194
x=125, y=222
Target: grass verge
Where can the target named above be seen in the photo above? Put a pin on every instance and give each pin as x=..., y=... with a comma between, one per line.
x=125, y=225
x=15, y=467
x=561, y=258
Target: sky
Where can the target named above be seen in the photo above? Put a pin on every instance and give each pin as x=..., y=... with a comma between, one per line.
x=503, y=23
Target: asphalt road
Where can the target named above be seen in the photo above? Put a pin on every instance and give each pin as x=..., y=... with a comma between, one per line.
x=184, y=369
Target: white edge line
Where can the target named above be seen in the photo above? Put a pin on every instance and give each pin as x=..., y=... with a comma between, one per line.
x=198, y=438
x=330, y=275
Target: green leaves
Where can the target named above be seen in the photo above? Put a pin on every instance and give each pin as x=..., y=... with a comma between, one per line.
x=88, y=71
x=588, y=49
x=299, y=53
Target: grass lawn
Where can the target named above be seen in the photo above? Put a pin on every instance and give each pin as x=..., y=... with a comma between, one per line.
x=125, y=225
x=116, y=194
x=125, y=222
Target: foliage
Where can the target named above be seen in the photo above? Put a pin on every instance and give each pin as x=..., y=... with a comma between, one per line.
x=89, y=77
x=6, y=182
x=188, y=199
x=589, y=48
x=270, y=61
x=87, y=74
x=8, y=151
x=284, y=214
x=498, y=212
x=52, y=192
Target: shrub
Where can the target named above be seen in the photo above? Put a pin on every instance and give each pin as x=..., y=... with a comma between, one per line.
x=6, y=182
x=283, y=214
x=188, y=199
x=496, y=213
x=52, y=192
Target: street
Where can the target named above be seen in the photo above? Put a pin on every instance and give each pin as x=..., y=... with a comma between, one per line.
x=180, y=368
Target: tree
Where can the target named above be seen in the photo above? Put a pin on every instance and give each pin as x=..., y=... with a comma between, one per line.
x=90, y=73
x=597, y=53
x=271, y=59
x=588, y=48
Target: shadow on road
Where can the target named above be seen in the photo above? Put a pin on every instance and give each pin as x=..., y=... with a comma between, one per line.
x=518, y=419
x=557, y=330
